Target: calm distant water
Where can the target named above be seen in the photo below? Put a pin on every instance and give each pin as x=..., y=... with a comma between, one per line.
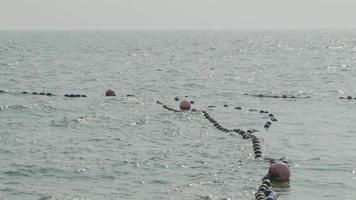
x=131, y=148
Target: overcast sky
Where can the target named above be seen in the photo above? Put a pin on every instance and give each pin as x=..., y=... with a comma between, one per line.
x=177, y=14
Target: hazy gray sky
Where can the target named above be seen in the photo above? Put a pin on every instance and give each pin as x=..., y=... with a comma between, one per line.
x=176, y=14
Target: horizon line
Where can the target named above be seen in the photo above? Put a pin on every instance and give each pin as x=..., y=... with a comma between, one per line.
x=188, y=29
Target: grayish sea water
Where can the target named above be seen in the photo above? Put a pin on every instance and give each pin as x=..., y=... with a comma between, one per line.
x=131, y=148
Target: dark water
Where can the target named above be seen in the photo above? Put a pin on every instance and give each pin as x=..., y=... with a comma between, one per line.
x=131, y=148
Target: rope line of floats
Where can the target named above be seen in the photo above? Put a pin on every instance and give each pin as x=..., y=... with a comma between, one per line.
x=264, y=191
x=44, y=94
x=110, y=92
x=276, y=96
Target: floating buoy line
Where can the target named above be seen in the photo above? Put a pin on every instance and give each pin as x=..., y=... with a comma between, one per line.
x=348, y=97
x=264, y=191
x=44, y=94
x=277, y=96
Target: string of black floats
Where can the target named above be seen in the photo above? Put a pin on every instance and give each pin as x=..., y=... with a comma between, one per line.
x=44, y=94
x=264, y=191
x=72, y=95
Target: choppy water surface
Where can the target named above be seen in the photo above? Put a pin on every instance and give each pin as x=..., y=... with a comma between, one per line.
x=131, y=148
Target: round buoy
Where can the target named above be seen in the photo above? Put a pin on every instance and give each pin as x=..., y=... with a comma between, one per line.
x=184, y=105
x=110, y=93
x=279, y=171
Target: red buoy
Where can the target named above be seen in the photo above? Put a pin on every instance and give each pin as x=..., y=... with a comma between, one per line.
x=184, y=105
x=279, y=171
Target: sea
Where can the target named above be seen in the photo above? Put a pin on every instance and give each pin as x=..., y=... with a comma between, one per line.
x=129, y=147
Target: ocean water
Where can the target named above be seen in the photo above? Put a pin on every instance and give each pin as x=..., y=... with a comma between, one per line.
x=129, y=147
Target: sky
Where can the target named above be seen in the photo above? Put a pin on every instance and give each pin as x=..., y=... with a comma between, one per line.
x=176, y=14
